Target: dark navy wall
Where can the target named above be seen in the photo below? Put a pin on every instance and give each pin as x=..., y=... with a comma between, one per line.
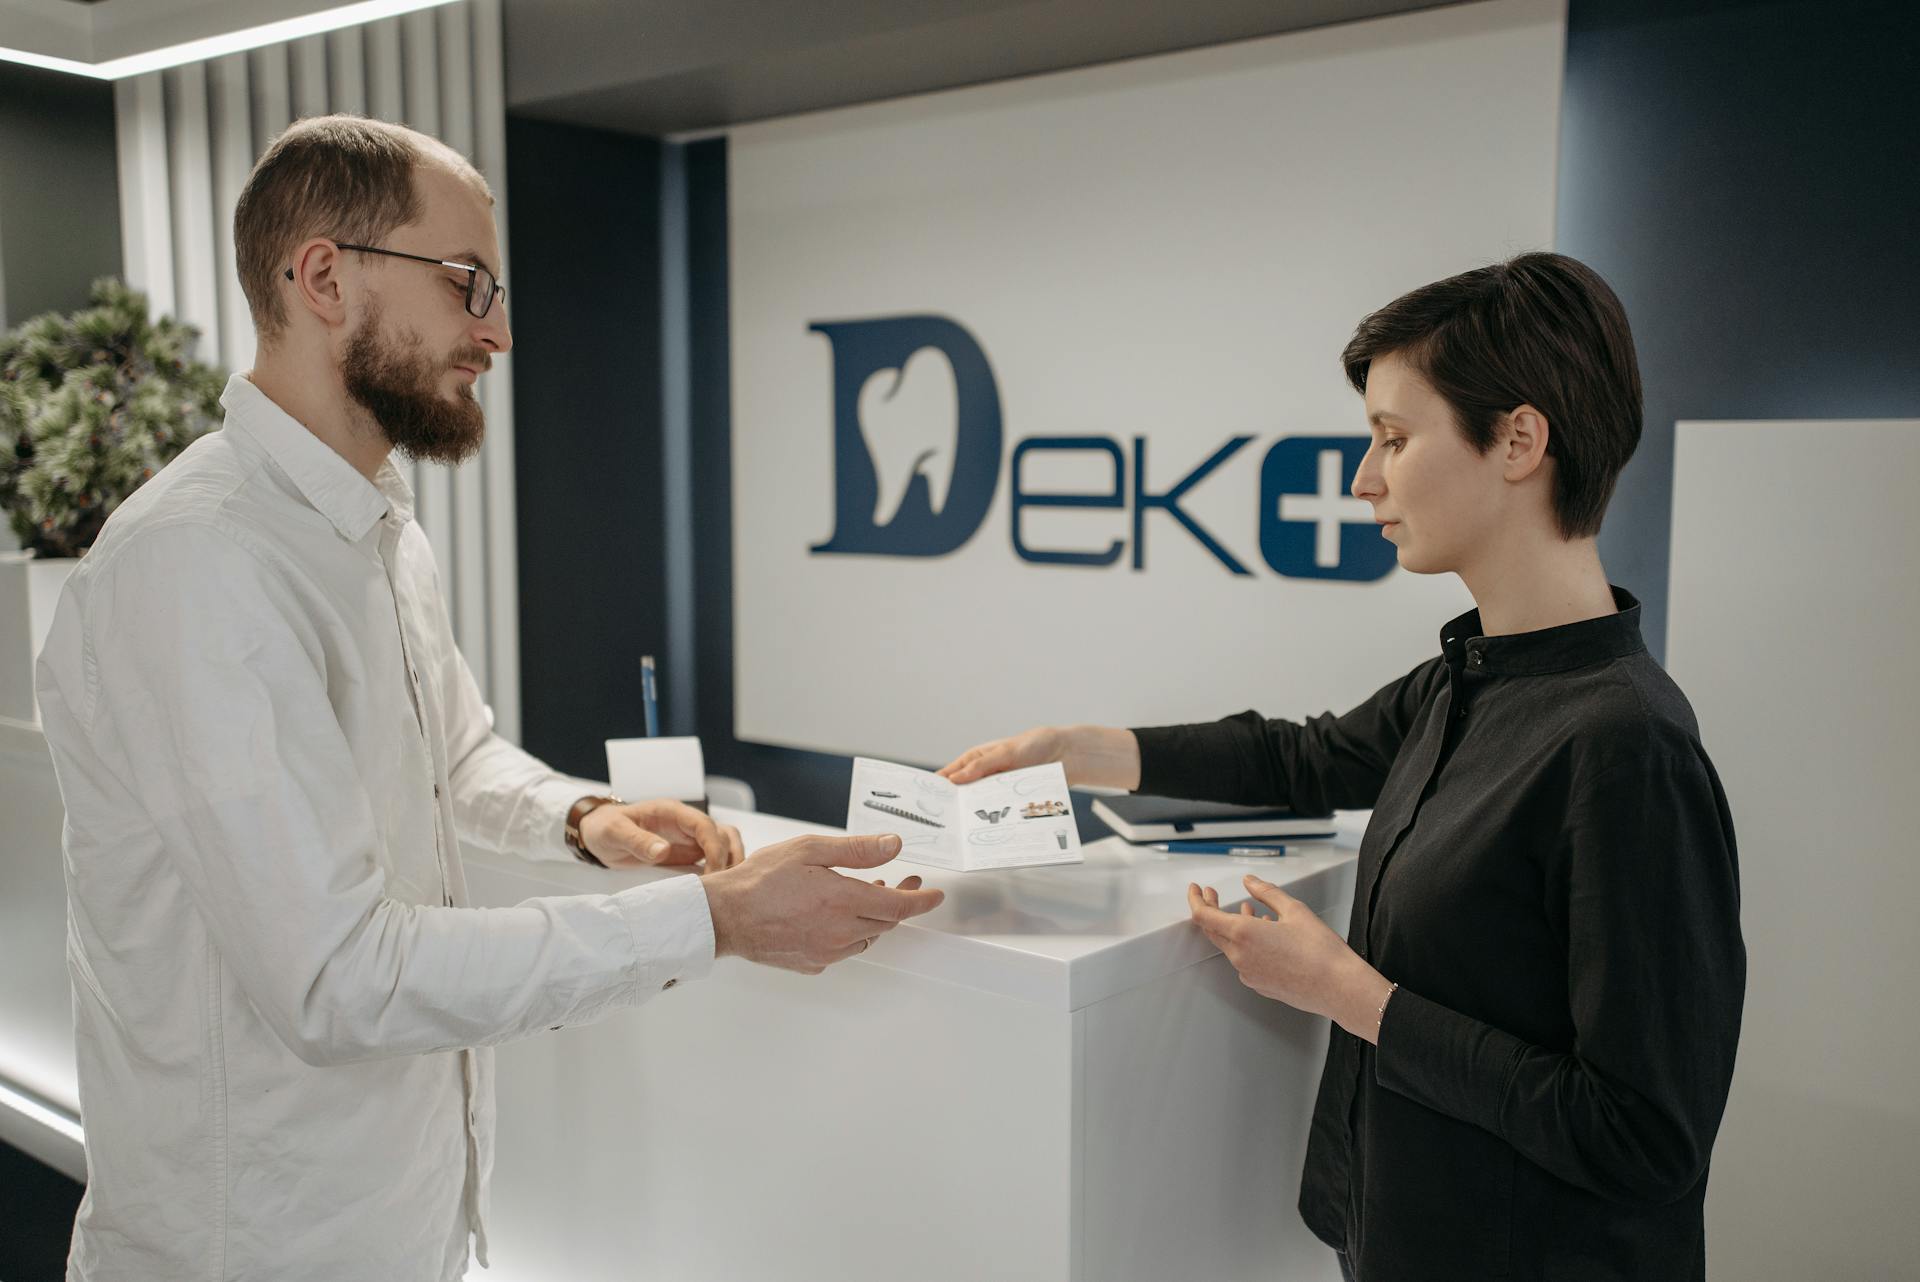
x=1747, y=176
x=584, y=298
x=805, y=785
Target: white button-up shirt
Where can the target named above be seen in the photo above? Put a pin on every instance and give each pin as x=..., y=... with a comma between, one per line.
x=266, y=743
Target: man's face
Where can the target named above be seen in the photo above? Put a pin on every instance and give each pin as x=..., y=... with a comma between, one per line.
x=1442, y=500
x=413, y=359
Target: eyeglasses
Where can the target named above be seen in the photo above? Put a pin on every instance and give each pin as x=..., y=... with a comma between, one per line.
x=483, y=287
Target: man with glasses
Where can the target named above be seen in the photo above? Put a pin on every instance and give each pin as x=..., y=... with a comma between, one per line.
x=270, y=750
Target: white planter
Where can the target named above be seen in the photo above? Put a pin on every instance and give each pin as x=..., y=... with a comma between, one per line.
x=29, y=590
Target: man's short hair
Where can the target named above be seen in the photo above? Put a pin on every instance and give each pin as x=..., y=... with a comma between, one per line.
x=345, y=177
x=1541, y=330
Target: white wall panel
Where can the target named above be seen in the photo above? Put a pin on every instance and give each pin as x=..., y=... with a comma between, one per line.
x=1167, y=255
x=1794, y=605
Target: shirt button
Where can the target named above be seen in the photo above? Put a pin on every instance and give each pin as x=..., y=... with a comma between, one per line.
x=669, y=984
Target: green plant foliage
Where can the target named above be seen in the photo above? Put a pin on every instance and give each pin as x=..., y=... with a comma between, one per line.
x=91, y=406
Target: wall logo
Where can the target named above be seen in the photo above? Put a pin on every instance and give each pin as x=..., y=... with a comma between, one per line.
x=916, y=436
x=917, y=447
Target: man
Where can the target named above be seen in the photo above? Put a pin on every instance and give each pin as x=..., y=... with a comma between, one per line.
x=269, y=750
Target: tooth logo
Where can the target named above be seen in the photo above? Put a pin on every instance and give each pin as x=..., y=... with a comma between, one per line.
x=911, y=419
x=916, y=435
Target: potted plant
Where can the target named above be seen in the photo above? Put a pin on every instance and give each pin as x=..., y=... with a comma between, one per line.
x=91, y=406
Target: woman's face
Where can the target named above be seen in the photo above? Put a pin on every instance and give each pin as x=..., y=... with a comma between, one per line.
x=1438, y=500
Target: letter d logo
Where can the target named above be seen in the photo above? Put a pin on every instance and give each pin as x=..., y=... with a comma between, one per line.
x=916, y=436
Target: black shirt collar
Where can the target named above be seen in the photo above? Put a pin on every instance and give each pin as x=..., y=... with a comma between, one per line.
x=1571, y=645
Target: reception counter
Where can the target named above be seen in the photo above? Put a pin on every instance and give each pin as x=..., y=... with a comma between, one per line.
x=1051, y=1076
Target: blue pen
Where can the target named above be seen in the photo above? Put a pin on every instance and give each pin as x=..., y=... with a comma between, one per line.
x=652, y=699
x=1215, y=848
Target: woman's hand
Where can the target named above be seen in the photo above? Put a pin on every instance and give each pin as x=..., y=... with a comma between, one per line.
x=1293, y=957
x=1100, y=756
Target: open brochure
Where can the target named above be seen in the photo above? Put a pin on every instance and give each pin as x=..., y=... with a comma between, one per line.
x=1011, y=820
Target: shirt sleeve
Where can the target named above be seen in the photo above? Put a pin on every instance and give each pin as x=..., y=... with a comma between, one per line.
x=212, y=685
x=505, y=799
x=1324, y=764
x=1647, y=886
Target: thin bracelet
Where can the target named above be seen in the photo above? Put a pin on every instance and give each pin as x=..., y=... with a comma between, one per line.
x=1380, y=1016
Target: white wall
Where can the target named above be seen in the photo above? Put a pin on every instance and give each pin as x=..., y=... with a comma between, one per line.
x=1173, y=249
x=1795, y=609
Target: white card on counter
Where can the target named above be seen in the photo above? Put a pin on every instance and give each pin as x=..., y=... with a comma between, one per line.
x=670, y=768
x=1013, y=820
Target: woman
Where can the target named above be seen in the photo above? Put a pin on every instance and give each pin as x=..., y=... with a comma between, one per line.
x=1538, y=999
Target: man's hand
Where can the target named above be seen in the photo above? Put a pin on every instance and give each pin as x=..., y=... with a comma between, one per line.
x=786, y=906
x=659, y=832
x=1293, y=957
x=1101, y=756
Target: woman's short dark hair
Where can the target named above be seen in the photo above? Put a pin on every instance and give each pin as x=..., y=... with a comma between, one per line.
x=1541, y=330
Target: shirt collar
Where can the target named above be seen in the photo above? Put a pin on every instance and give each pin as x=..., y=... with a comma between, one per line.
x=334, y=487
x=1571, y=645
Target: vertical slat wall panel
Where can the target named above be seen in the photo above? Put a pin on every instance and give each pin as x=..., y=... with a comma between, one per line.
x=496, y=389
x=189, y=151
x=188, y=138
x=346, y=71
x=146, y=210
x=307, y=64
x=228, y=106
x=468, y=559
x=433, y=482
x=385, y=98
x=420, y=107
x=272, y=94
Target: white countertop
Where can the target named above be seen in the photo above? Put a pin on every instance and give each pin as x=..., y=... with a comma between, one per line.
x=1063, y=937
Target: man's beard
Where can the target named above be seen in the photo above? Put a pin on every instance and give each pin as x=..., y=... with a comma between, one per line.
x=396, y=384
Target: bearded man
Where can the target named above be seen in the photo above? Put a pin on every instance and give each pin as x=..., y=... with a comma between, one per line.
x=270, y=750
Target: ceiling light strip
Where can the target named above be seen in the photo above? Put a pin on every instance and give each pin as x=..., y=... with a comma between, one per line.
x=54, y=1119
x=313, y=24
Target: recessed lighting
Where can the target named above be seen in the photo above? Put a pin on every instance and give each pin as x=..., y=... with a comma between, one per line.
x=312, y=24
x=51, y=1118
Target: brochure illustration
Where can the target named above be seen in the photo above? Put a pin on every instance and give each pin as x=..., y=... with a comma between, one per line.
x=1014, y=820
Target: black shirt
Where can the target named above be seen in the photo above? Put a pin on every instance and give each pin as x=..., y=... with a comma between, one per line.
x=1550, y=877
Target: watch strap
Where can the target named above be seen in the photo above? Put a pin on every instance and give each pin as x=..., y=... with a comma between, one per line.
x=575, y=816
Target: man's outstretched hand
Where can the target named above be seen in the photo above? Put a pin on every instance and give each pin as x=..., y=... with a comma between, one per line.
x=786, y=906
